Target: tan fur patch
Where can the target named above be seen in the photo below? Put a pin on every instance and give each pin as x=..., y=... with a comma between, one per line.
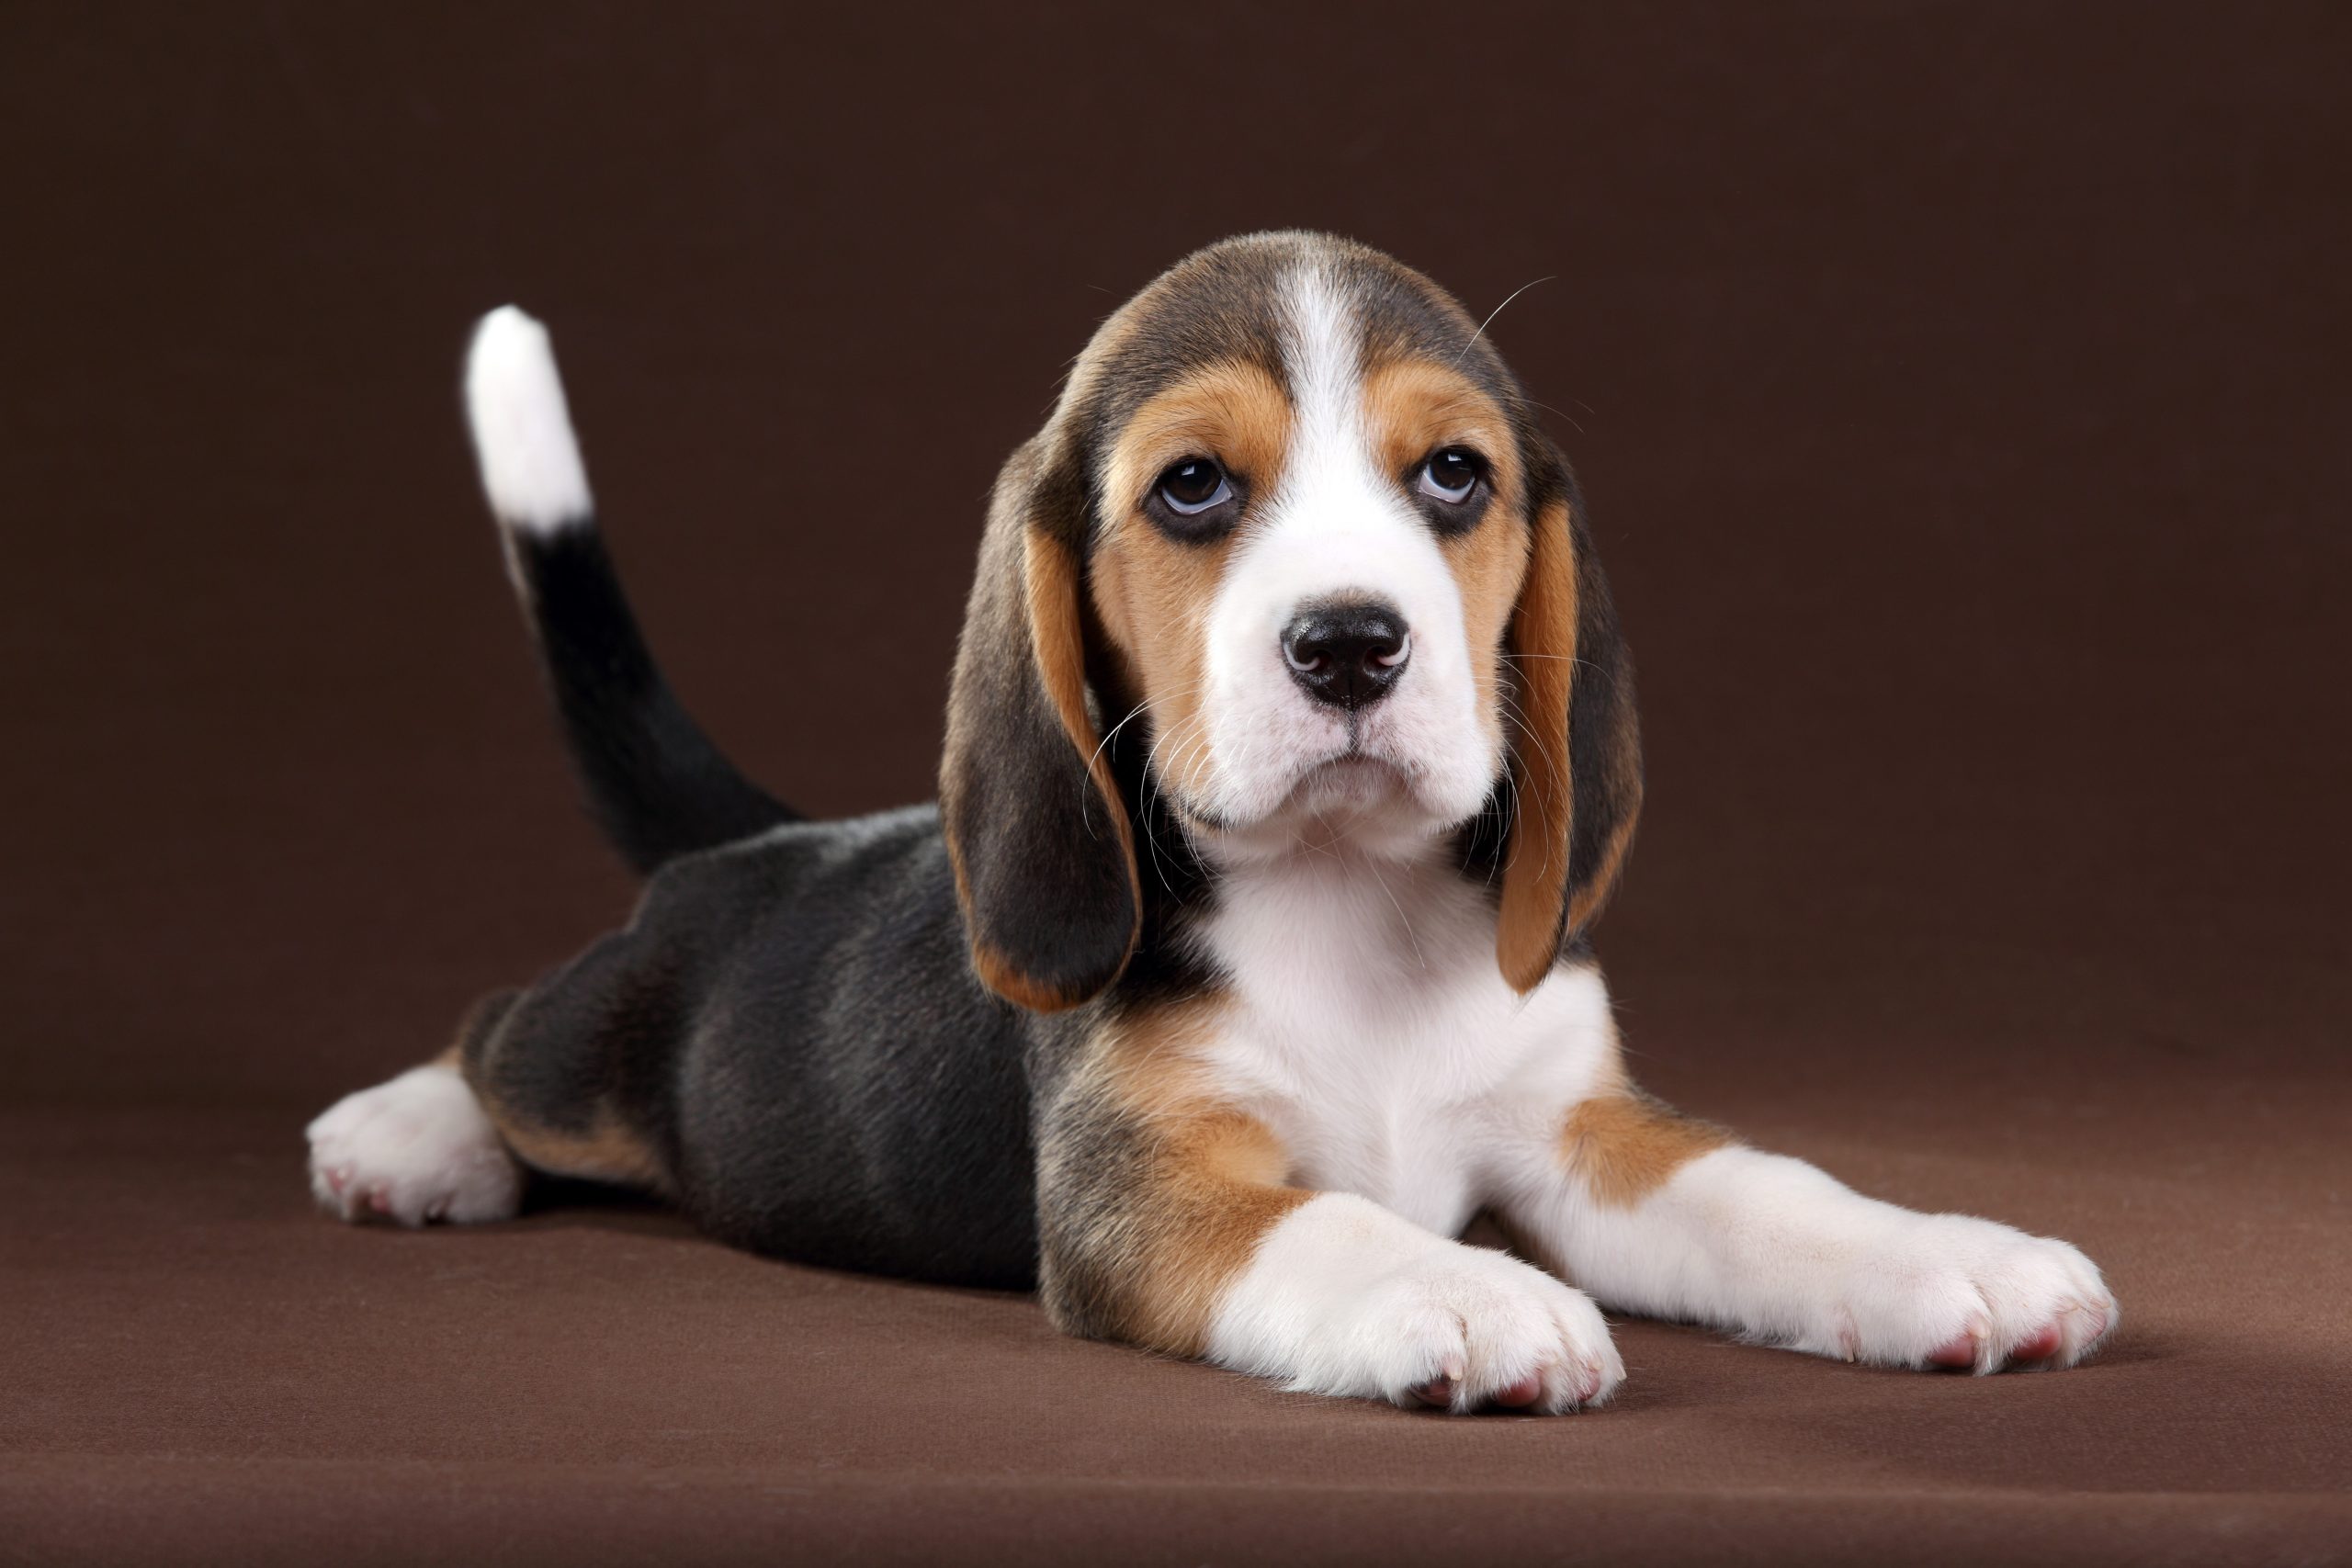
x=1152, y=594
x=1544, y=646
x=1413, y=407
x=1007, y=980
x=1624, y=1145
x=1058, y=641
x=1216, y=1193
x=1514, y=580
x=610, y=1151
x=1193, y=1187
x=1057, y=633
x=1595, y=890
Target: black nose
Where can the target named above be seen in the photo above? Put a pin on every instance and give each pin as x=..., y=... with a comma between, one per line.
x=1347, y=653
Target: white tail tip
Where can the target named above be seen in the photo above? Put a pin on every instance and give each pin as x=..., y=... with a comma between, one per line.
x=530, y=464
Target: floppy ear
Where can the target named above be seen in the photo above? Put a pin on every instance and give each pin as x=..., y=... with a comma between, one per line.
x=1577, y=794
x=1036, y=826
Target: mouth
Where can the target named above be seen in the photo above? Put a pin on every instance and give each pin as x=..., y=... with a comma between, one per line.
x=1352, y=778
x=1352, y=790
x=1348, y=784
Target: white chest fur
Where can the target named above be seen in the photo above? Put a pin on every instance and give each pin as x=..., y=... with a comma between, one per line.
x=1375, y=1034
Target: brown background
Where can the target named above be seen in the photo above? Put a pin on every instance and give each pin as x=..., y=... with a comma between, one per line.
x=1961, y=396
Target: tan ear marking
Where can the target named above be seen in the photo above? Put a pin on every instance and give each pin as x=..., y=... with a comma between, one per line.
x=1049, y=571
x=1535, y=867
x=1037, y=828
x=1588, y=899
x=1058, y=639
x=1049, y=576
x=1009, y=980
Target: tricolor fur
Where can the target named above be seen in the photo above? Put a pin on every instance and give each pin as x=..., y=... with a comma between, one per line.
x=1291, y=756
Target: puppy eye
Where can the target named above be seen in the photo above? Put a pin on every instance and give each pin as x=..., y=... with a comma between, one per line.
x=1192, y=485
x=1451, y=475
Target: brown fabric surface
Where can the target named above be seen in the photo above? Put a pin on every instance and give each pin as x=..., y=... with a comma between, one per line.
x=1961, y=396
x=200, y=1367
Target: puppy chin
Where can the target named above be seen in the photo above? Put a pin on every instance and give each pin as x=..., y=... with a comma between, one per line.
x=1359, y=803
x=1350, y=785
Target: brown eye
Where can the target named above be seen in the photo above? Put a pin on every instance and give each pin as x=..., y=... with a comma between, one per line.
x=1450, y=474
x=1194, y=485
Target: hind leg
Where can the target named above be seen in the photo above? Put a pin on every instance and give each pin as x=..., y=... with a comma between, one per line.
x=419, y=1148
x=525, y=1089
x=413, y=1151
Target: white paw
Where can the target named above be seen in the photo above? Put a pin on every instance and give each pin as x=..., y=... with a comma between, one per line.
x=1470, y=1327
x=1345, y=1298
x=1951, y=1291
x=413, y=1151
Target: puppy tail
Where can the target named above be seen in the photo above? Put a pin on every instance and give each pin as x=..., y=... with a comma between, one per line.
x=655, y=782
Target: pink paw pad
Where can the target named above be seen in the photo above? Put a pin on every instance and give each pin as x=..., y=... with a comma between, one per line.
x=1438, y=1393
x=1522, y=1393
x=1959, y=1356
x=1440, y=1389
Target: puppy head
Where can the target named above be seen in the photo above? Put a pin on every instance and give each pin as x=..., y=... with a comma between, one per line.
x=1292, y=534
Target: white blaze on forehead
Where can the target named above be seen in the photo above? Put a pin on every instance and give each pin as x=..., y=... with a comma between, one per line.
x=1338, y=524
x=1325, y=363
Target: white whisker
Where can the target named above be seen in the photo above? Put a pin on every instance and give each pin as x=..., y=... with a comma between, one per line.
x=1497, y=311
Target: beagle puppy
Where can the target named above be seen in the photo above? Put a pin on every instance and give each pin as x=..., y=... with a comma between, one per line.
x=1291, y=757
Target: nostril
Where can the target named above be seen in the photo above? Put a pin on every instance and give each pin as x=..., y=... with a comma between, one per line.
x=1346, y=652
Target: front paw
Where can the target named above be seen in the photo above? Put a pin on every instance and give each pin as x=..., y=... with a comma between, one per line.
x=1472, y=1327
x=1345, y=1298
x=1950, y=1292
